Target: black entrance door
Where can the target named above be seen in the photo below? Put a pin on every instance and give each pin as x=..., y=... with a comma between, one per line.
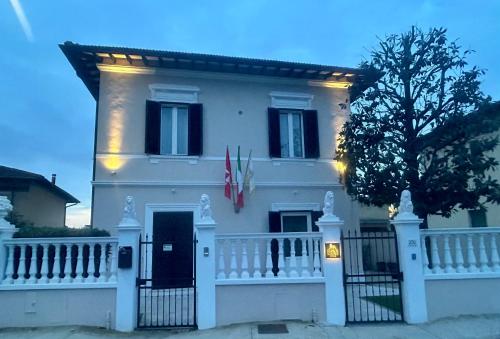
x=172, y=249
x=167, y=266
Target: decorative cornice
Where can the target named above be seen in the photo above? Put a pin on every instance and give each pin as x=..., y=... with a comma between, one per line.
x=220, y=76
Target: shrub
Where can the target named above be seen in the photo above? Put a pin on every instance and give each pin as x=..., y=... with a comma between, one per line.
x=58, y=232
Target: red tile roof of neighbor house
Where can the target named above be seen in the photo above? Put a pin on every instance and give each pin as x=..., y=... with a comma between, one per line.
x=15, y=179
x=85, y=58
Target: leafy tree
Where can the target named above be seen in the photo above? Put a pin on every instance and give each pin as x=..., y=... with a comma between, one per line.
x=424, y=125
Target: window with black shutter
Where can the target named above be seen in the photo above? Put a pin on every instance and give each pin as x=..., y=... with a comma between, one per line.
x=293, y=133
x=174, y=128
x=291, y=221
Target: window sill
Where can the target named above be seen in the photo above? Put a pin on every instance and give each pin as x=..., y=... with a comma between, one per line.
x=192, y=159
x=306, y=161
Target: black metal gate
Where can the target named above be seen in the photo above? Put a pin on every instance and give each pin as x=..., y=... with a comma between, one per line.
x=164, y=303
x=372, y=278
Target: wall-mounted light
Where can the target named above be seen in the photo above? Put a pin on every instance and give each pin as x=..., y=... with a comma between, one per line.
x=332, y=250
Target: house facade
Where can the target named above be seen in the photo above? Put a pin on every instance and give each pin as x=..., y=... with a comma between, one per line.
x=164, y=121
x=36, y=200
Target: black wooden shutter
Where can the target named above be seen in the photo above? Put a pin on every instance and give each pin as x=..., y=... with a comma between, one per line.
x=195, y=129
x=273, y=115
x=274, y=227
x=315, y=215
x=153, y=127
x=311, y=140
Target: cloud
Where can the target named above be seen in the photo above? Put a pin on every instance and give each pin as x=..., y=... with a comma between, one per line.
x=78, y=216
x=23, y=20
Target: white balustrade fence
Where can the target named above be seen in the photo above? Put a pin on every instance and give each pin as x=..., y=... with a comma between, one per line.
x=267, y=256
x=59, y=261
x=461, y=252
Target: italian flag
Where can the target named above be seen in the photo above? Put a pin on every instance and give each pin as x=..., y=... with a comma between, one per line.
x=239, y=183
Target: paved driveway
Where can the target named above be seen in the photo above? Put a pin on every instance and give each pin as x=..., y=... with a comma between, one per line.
x=453, y=328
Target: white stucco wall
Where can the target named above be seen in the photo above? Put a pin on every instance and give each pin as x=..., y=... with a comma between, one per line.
x=121, y=131
x=454, y=297
x=57, y=307
x=249, y=303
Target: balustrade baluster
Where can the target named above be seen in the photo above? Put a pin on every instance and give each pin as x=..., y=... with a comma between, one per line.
x=256, y=260
x=459, y=256
x=483, y=257
x=222, y=271
x=471, y=256
x=495, y=260
x=316, y=259
x=425, y=257
x=44, y=271
x=56, y=268
x=113, y=267
x=79, y=264
x=67, y=266
x=21, y=269
x=293, y=260
x=304, y=263
x=91, y=265
x=9, y=270
x=436, y=261
x=234, y=266
x=281, y=259
x=244, y=260
x=103, y=268
x=33, y=265
x=448, y=268
x=269, y=260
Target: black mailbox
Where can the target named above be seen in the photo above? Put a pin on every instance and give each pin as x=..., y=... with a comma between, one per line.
x=125, y=257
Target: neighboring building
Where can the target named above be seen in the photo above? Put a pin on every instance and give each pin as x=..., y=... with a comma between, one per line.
x=35, y=199
x=164, y=120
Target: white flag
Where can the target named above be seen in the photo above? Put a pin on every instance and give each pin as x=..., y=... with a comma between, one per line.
x=249, y=174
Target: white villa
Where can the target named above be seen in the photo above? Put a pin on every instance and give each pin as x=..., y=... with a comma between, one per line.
x=182, y=254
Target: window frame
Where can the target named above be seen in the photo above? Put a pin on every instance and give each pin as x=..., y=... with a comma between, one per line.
x=291, y=149
x=307, y=214
x=174, y=131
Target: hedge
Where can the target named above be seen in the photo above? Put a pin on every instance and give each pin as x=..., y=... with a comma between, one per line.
x=58, y=232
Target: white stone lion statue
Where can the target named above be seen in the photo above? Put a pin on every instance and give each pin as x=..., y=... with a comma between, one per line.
x=5, y=206
x=206, y=210
x=129, y=208
x=328, y=204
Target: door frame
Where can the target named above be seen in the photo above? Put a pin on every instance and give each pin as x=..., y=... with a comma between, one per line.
x=148, y=225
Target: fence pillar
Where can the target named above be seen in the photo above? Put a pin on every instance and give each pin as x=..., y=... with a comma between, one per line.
x=7, y=230
x=129, y=230
x=205, y=265
x=410, y=261
x=331, y=227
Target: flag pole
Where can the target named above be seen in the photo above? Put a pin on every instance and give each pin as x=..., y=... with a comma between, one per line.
x=236, y=208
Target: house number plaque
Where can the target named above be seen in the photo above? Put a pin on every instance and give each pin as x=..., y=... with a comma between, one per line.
x=167, y=247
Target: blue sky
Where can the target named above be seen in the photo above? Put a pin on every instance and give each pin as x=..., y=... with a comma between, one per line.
x=47, y=115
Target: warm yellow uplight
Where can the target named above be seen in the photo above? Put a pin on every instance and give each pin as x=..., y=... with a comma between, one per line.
x=113, y=162
x=340, y=167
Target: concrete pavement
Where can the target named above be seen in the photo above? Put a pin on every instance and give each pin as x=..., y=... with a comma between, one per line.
x=453, y=328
